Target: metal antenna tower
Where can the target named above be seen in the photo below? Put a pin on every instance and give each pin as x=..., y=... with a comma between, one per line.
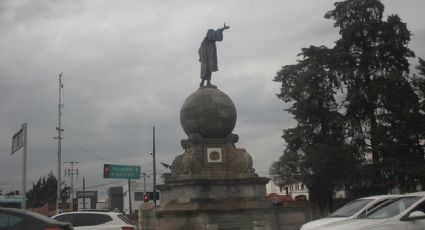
x=59, y=138
x=71, y=172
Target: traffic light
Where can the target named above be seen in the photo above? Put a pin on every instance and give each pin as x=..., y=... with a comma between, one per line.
x=105, y=171
x=146, y=198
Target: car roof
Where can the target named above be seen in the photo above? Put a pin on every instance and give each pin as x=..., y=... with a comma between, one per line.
x=382, y=196
x=416, y=193
x=90, y=212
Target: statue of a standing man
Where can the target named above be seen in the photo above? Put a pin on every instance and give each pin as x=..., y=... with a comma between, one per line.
x=208, y=54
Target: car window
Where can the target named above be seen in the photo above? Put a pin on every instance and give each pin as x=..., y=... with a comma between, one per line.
x=420, y=207
x=90, y=219
x=391, y=208
x=125, y=219
x=69, y=218
x=14, y=220
x=7, y=220
x=374, y=206
x=4, y=218
x=351, y=208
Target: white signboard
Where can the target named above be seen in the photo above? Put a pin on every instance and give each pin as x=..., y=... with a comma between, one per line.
x=17, y=141
x=87, y=203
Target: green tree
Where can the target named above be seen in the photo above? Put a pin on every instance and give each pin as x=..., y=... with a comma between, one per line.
x=360, y=117
x=419, y=83
x=419, y=86
x=44, y=191
x=401, y=130
x=371, y=52
x=421, y=68
x=315, y=153
x=13, y=193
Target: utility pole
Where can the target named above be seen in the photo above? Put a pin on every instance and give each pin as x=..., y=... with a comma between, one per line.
x=84, y=193
x=154, y=167
x=24, y=166
x=59, y=138
x=144, y=183
x=71, y=172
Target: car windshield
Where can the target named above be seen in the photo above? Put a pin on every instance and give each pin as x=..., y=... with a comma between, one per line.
x=391, y=208
x=351, y=208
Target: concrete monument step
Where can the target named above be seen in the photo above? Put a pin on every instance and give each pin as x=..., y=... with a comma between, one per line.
x=234, y=221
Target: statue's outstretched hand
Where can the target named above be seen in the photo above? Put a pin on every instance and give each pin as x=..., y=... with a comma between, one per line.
x=226, y=27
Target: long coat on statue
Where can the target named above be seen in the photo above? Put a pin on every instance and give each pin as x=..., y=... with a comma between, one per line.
x=208, y=53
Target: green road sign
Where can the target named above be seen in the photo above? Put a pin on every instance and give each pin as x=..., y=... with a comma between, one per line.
x=121, y=171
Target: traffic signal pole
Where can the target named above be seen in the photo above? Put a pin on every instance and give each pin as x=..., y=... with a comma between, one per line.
x=154, y=167
x=129, y=195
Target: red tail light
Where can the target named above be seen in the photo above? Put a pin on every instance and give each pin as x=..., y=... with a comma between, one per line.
x=127, y=228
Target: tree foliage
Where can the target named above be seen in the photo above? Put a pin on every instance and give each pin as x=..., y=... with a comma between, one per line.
x=44, y=191
x=360, y=117
x=373, y=57
x=315, y=151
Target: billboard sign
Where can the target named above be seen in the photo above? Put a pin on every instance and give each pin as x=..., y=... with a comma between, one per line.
x=86, y=194
x=121, y=171
x=17, y=140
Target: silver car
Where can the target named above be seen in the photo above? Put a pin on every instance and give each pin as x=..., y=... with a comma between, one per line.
x=403, y=213
x=351, y=210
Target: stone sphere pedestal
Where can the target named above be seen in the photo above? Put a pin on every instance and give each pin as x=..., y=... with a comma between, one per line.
x=212, y=184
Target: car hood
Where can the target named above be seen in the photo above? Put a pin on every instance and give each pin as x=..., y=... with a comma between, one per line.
x=354, y=224
x=317, y=223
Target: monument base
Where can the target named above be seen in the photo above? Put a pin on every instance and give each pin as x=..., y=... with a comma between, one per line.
x=213, y=185
x=203, y=189
x=236, y=203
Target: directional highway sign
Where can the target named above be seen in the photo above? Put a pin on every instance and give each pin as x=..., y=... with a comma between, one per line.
x=121, y=171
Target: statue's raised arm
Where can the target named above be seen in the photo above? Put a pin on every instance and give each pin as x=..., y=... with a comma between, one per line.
x=208, y=54
x=225, y=27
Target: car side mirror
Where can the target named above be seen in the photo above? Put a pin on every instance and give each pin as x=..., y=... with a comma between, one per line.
x=416, y=215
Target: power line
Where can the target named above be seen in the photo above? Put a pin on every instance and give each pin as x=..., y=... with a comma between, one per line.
x=69, y=140
x=84, y=150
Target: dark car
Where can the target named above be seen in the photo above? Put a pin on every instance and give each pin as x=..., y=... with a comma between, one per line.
x=18, y=219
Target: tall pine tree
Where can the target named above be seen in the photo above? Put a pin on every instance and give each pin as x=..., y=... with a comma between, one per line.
x=372, y=53
x=315, y=151
x=360, y=117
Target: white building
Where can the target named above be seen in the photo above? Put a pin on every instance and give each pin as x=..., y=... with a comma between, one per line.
x=298, y=191
x=137, y=192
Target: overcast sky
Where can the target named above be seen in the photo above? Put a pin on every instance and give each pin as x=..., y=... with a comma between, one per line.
x=128, y=65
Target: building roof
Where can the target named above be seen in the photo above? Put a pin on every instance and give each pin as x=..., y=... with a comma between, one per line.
x=282, y=198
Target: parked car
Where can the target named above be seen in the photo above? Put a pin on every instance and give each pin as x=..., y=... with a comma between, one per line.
x=19, y=219
x=351, y=210
x=406, y=213
x=96, y=220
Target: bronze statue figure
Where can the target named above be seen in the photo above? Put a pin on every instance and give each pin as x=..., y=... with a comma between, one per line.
x=208, y=54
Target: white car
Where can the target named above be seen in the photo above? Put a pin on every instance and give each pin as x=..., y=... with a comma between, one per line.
x=351, y=210
x=96, y=220
x=404, y=213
